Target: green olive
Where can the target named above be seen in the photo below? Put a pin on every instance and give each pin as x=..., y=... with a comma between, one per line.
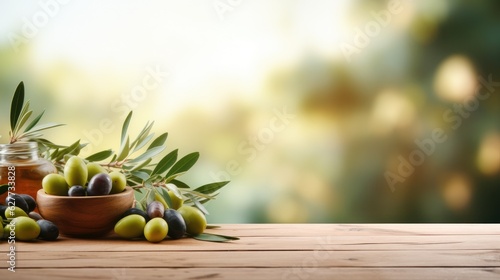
x=118, y=182
x=194, y=218
x=6, y=231
x=55, y=184
x=174, y=199
x=75, y=171
x=156, y=230
x=15, y=212
x=94, y=168
x=26, y=228
x=177, y=202
x=131, y=226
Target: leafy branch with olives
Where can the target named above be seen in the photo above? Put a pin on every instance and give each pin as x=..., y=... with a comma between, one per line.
x=152, y=176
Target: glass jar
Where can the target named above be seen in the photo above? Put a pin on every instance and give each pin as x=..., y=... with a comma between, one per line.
x=20, y=163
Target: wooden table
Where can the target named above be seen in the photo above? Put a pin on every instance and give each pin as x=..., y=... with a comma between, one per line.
x=274, y=251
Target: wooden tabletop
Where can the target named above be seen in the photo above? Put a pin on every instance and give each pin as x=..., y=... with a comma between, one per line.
x=274, y=251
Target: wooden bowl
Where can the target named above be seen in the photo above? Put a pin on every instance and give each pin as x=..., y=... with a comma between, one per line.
x=84, y=216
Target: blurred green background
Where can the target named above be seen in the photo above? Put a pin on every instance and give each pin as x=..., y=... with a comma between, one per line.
x=317, y=111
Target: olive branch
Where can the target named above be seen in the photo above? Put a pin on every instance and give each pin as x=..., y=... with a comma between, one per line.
x=151, y=178
x=20, y=113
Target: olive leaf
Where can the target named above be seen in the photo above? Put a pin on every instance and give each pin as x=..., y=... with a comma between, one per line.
x=4, y=188
x=31, y=132
x=23, y=116
x=141, y=175
x=73, y=149
x=131, y=168
x=151, y=196
x=16, y=105
x=202, y=195
x=102, y=155
x=212, y=227
x=159, y=141
x=211, y=188
x=179, y=184
x=48, y=144
x=34, y=122
x=197, y=204
x=166, y=197
x=143, y=142
x=184, y=164
x=148, y=154
x=203, y=198
x=141, y=136
x=125, y=127
x=124, y=150
x=20, y=114
x=214, y=237
x=140, y=206
x=165, y=163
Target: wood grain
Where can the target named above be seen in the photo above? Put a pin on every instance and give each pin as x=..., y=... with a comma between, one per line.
x=303, y=243
x=261, y=273
x=444, y=258
x=275, y=251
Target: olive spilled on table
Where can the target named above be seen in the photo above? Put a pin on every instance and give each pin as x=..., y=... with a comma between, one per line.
x=156, y=230
x=20, y=226
x=195, y=220
x=155, y=209
x=131, y=226
x=48, y=230
x=176, y=224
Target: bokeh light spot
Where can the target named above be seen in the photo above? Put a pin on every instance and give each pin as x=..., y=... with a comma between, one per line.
x=455, y=79
x=457, y=192
x=488, y=159
x=391, y=110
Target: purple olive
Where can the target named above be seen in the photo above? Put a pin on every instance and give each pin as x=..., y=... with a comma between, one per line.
x=35, y=216
x=30, y=201
x=137, y=211
x=155, y=209
x=76, y=190
x=48, y=230
x=175, y=222
x=16, y=200
x=100, y=184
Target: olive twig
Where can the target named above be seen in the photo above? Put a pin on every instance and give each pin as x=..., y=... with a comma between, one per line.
x=20, y=113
